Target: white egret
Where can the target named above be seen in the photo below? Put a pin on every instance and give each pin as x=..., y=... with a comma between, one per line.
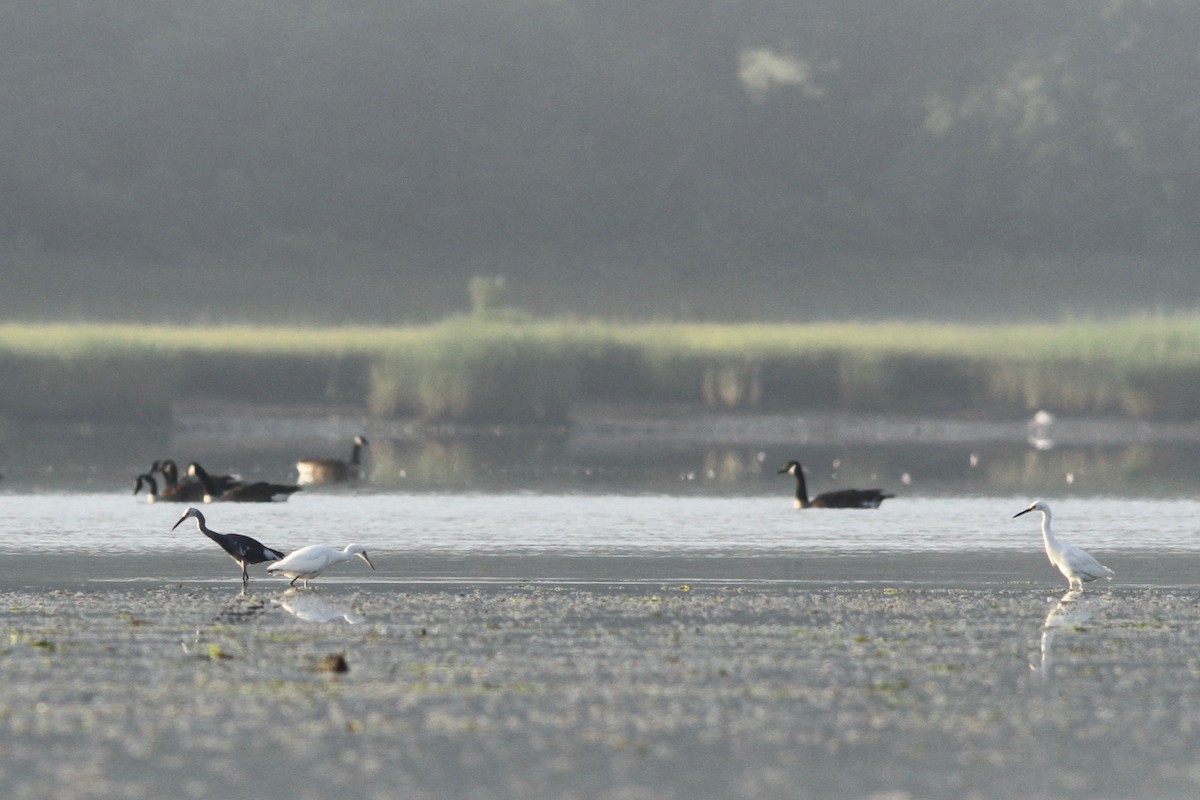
x=841, y=498
x=309, y=562
x=1076, y=565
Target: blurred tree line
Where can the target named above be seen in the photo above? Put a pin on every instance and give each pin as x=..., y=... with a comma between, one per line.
x=656, y=142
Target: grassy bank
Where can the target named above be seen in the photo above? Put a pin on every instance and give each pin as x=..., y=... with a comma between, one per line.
x=480, y=369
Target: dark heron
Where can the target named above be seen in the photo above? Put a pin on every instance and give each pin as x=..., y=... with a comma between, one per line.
x=841, y=498
x=1077, y=566
x=333, y=470
x=259, y=492
x=241, y=549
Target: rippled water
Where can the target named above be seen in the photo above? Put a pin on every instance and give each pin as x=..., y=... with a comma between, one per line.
x=703, y=486
x=600, y=524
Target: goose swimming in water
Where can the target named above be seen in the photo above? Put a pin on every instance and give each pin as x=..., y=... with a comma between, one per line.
x=147, y=480
x=259, y=492
x=333, y=470
x=1076, y=565
x=174, y=490
x=840, y=498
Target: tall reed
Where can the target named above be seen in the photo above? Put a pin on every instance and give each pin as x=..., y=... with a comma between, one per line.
x=504, y=368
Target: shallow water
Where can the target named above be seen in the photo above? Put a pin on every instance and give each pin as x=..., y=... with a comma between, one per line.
x=648, y=614
x=619, y=486
x=597, y=524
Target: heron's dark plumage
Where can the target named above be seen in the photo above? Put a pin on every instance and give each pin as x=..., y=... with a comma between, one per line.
x=242, y=549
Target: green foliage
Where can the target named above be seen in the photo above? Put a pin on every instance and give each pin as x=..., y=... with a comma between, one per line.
x=487, y=370
x=466, y=372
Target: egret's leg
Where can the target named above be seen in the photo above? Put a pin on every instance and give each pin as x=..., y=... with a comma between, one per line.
x=293, y=583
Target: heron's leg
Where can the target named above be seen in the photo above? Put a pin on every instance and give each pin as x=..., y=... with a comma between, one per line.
x=245, y=576
x=293, y=583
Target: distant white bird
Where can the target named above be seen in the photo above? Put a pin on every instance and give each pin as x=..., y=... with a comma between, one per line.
x=1075, y=564
x=309, y=562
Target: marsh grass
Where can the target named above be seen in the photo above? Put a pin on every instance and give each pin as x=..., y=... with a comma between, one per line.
x=493, y=368
x=503, y=375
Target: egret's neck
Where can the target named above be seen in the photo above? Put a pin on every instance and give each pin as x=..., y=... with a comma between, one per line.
x=1047, y=533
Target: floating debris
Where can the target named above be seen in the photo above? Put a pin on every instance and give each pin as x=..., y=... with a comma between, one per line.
x=335, y=662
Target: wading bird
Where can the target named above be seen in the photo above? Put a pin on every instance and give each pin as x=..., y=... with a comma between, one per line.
x=259, y=492
x=840, y=498
x=241, y=549
x=1077, y=566
x=333, y=470
x=309, y=562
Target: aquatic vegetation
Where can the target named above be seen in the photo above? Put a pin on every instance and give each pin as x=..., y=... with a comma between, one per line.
x=500, y=368
x=214, y=652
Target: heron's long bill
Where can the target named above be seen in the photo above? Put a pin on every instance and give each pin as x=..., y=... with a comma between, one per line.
x=1019, y=513
x=365, y=558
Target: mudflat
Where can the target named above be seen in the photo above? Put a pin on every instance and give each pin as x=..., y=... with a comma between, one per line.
x=159, y=683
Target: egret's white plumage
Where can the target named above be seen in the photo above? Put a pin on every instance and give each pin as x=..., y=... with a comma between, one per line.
x=309, y=562
x=1078, y=566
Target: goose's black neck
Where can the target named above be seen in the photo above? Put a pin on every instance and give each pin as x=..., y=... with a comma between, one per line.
x=206, y=481
x=802, y=500
x=170, y=472
x=147, y=480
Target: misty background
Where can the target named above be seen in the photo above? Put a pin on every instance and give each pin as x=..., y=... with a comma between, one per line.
x=360, y=161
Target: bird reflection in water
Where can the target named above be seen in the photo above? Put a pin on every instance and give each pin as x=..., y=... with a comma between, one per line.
x=312, y=607
x=1069, y=614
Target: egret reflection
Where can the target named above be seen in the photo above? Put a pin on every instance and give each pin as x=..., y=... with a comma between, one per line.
x=1071, y=612
x=313, y=607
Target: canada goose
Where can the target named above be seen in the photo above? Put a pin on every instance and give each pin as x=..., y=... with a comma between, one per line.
x=1077, y=566
x=840, y=498
x=147, y=480
x=333, y=470
x=259, y=492
x=173, y=490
